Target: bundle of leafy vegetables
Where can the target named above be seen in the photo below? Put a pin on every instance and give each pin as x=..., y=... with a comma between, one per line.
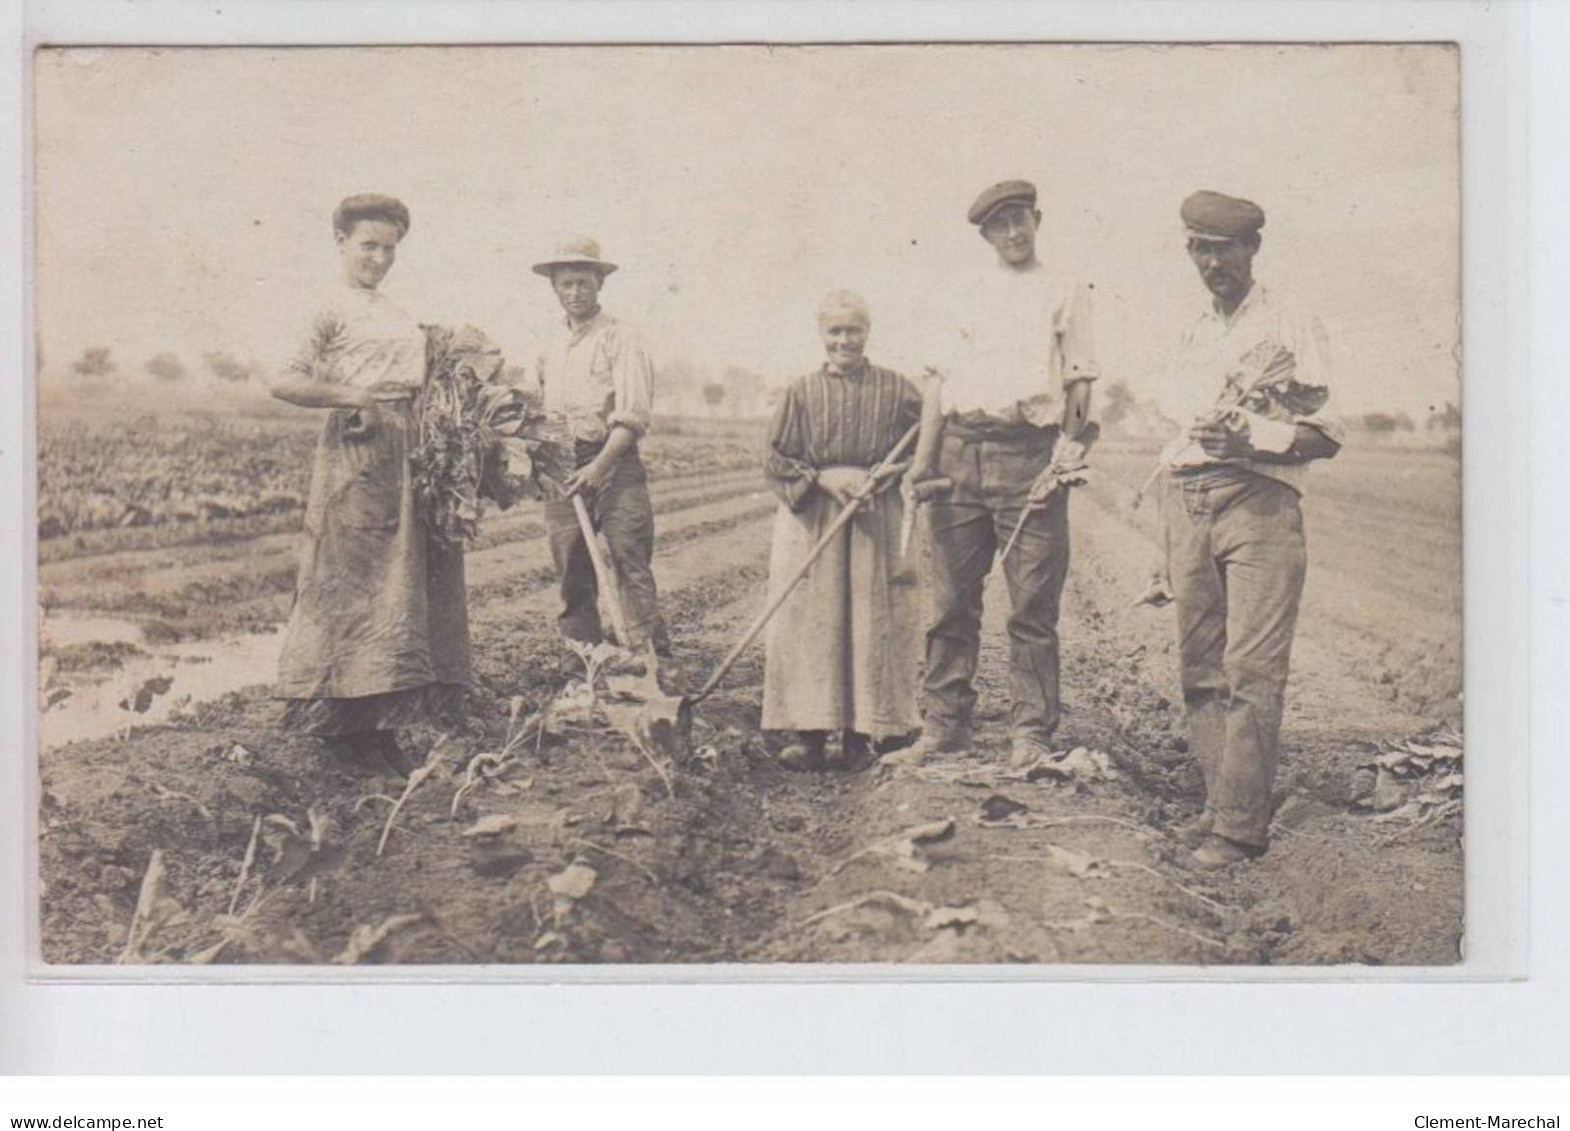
x=479, y=437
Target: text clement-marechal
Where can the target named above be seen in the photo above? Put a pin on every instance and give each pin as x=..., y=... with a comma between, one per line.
x=1440, y=1123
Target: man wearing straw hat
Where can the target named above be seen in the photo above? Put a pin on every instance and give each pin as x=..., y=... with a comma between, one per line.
x=1252, y=379
x=1015, y=397
x=596, y=372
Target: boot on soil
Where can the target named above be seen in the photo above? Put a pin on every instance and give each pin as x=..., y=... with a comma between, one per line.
x=1025, y=751
x=355, y=754
x=860, y=752
x=805, y=753
x=925, y=746
x=393, y=756
x=853, y=753
x=1222, y=852
x=1192, y=834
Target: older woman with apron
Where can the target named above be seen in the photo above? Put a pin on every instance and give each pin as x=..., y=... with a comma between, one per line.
x=841, y=651
x=378, y=637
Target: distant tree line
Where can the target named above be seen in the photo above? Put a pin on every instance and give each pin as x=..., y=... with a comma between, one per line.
x=98, y=361
x=1446, y=418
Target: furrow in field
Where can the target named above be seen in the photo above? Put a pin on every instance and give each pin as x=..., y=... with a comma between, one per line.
x=203, y=553
x=1337, y=655
x=251, y=601
x=486, y=569
x=153, y=581
x=1380, y=572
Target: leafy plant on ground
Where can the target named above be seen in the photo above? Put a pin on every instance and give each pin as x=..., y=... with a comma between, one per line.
x=1414, y=778
x=302, y=855
x=155, y=911
x=487, y=766
x=421, y=772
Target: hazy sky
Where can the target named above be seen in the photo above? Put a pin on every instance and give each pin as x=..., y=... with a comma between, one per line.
x=184, y=195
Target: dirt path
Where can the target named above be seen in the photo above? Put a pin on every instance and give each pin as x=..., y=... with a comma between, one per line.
x=746, y=862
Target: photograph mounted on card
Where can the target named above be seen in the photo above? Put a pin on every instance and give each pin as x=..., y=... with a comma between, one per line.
x=982, y=506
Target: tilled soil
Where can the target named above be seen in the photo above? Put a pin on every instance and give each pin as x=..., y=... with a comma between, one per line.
x=958, y=861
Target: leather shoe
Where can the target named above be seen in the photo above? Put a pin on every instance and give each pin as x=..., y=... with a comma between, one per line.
x=393, y=755
x=1221, y=852
x=805, y=755
x=1192, y=834
x=1027, y=752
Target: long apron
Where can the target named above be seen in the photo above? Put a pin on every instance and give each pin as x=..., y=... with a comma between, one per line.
x=378, y=635
x=841, y=650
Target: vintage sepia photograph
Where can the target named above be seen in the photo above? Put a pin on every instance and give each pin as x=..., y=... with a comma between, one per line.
x=952, y=505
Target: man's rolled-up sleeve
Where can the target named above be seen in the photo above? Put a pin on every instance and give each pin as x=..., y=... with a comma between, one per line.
x=1077, y=337
x=1311, y=380
x=632, y=383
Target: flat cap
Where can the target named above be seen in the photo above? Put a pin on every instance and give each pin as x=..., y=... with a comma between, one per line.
x=576, y=251
x=1004, y=192
x=1215, y=216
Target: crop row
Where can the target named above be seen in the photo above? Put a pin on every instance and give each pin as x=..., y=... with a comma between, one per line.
x=97, y=474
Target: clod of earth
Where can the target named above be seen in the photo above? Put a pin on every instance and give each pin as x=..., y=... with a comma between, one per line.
x=906, y=848
x=626, y=804
x=958, y=917
x=500, y=862
x=997, y=807
x=364, y=940
x=567, y=887
x=141, y=699
x=493, y=825
x=985, y=913
x=1079, y=864
x=574, y=882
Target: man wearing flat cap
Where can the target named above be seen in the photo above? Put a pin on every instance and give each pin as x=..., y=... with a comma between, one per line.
x=596, y=372
x=1249, y=390
x=1014, y=390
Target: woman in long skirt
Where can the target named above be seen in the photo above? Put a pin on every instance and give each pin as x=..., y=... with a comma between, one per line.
x=378, y=637
x=841, y=651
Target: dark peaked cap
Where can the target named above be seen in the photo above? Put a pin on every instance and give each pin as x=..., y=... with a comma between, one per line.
x=1004, y=192
x=1216, y=216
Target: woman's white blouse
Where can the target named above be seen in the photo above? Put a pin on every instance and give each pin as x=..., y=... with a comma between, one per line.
x=362, y=338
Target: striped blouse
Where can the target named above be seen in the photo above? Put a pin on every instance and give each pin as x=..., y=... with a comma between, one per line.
x=825, y=419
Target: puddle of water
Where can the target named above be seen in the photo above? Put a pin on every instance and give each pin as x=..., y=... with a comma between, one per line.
x=200, y=671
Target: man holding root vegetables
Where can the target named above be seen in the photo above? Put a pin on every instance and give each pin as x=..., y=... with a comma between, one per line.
x=994, y=464
x=1253, y=377
x=597, y=373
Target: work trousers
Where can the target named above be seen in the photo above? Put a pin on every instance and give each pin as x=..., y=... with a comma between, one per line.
x=1236, y=559
x=622, y=513
x=992, y=476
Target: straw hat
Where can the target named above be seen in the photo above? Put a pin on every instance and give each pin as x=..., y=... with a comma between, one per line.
x=576, y=251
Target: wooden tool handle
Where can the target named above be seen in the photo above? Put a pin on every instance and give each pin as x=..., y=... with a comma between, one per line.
x=602, y=572
x=925, y=490
x=860, y=497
